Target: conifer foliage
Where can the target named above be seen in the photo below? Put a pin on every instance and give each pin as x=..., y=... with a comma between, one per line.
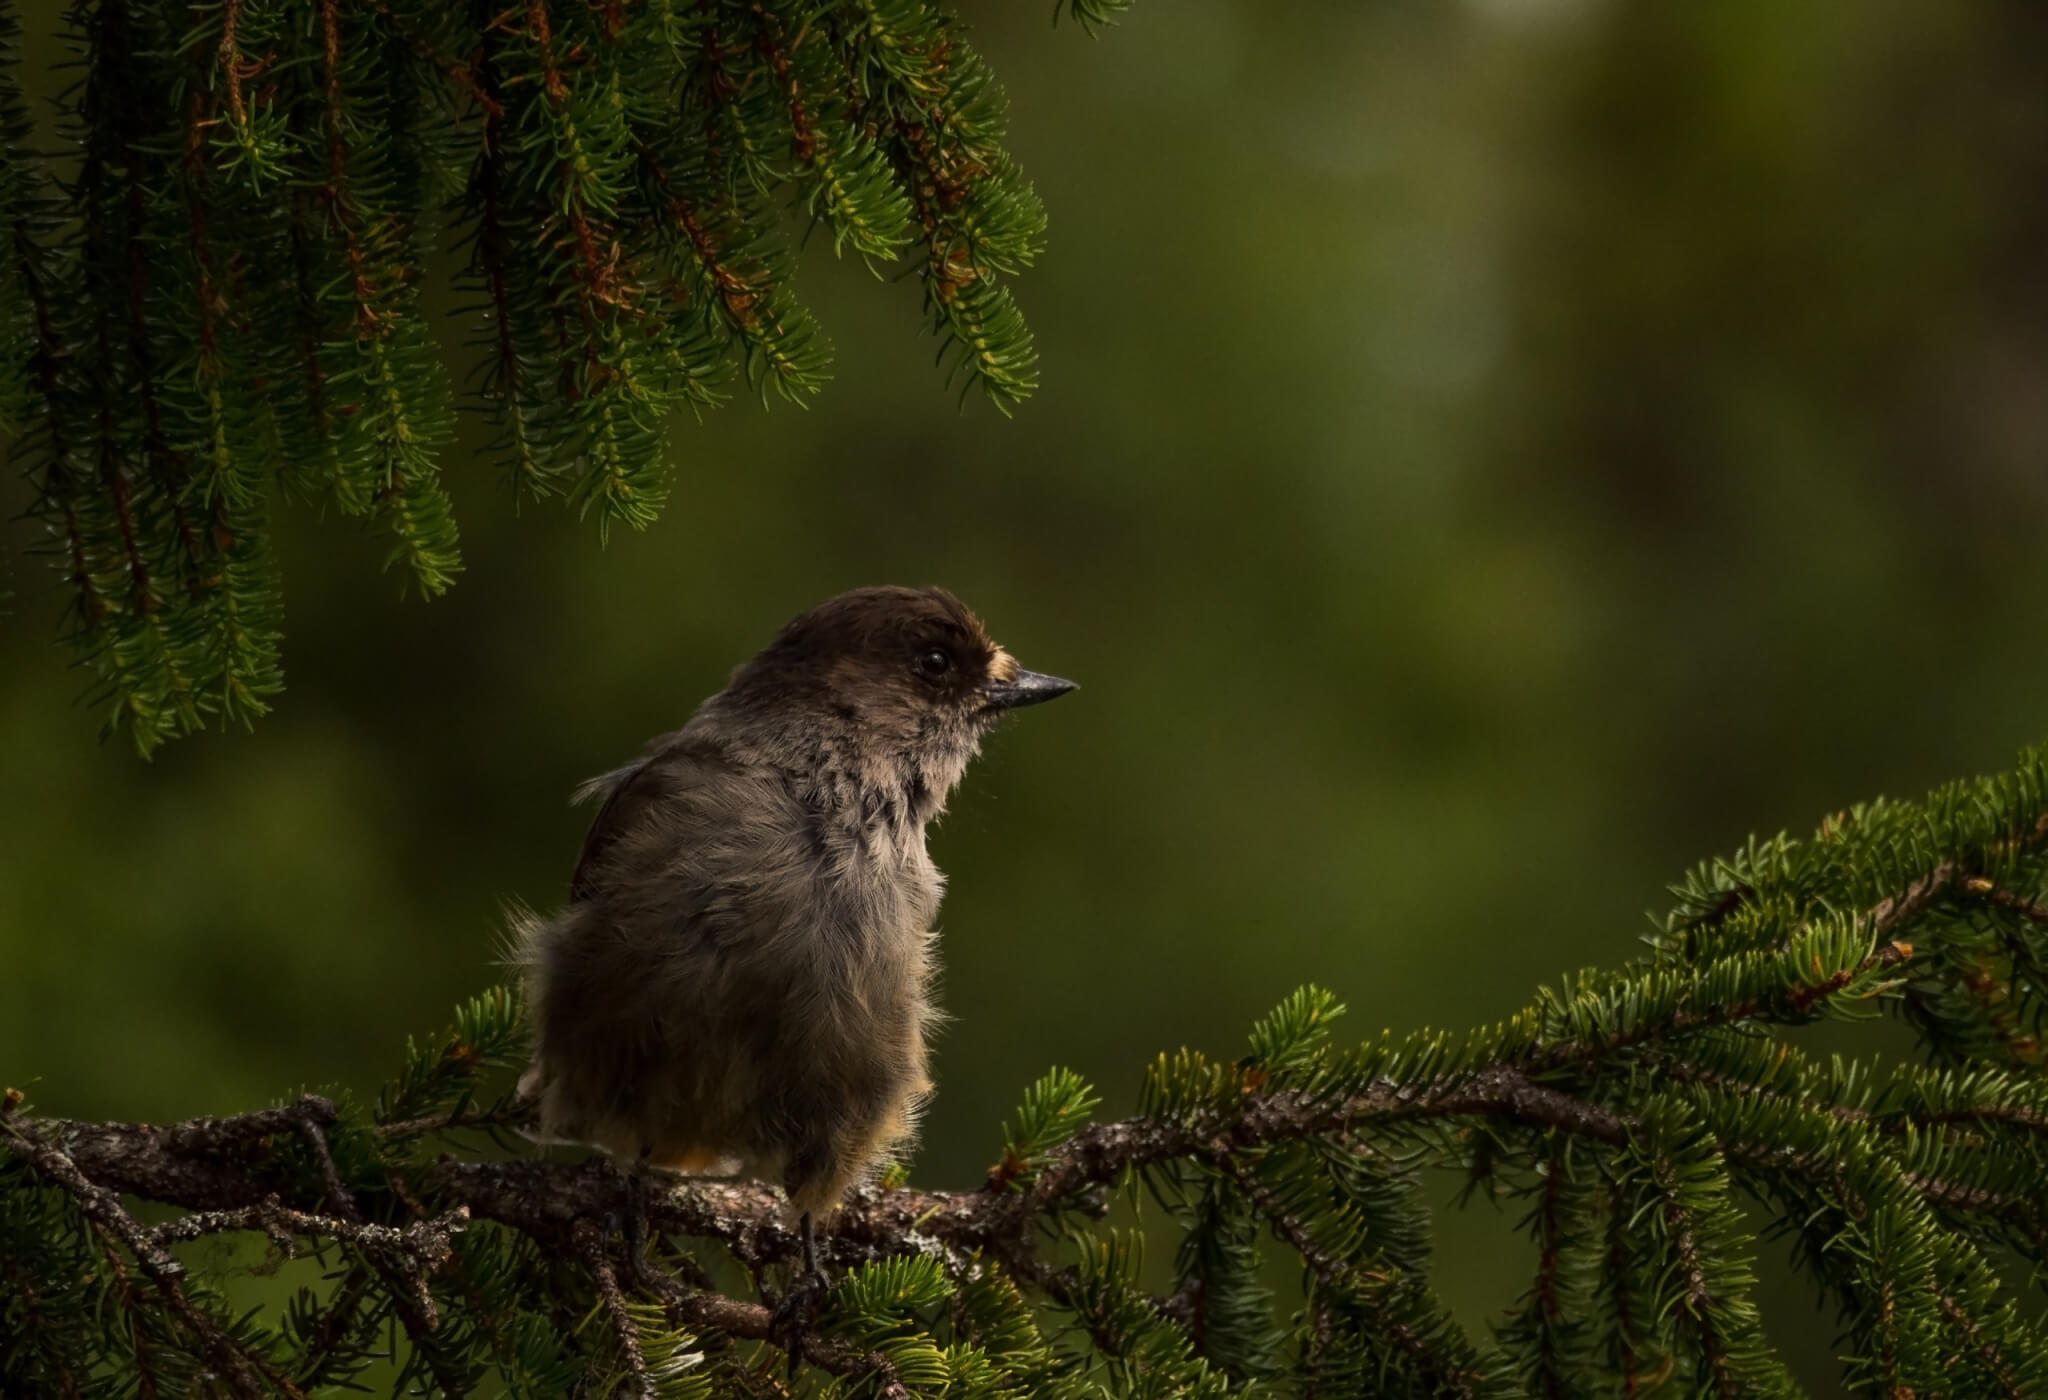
x=1649, y=1120
x=219, y=287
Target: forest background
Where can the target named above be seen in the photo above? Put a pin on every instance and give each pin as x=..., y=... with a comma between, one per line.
x=1490, y=455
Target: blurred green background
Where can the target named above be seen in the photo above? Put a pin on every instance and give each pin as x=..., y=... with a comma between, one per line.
x=1492, y=455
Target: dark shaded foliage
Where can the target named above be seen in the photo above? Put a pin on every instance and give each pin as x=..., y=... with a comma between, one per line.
x=223, y=289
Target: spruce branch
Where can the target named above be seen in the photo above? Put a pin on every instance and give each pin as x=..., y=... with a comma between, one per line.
x=1450, y=1371
x=613, y=1299
x=104, y=1209
x=754, y=1322
x=221, y=297
x=1632, y=1109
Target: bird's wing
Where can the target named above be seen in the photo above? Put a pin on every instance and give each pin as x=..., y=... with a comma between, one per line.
x=629, y=793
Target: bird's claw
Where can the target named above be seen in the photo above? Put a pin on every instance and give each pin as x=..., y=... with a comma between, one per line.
x=790, y=1323
x=633, y=1230
x=627, y=1217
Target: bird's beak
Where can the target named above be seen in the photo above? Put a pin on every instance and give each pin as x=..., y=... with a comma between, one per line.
x=1026, y=688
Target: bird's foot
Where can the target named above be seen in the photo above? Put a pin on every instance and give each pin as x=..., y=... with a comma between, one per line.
x=633, y=1229
x=790, y=1324
x=628, y=1215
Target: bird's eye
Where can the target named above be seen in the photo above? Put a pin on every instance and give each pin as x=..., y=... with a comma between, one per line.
x=934, y=662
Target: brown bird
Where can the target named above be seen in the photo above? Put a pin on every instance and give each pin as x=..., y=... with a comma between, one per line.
x=740, y=982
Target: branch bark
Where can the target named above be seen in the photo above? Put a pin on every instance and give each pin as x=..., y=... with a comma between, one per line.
x=399, y=1218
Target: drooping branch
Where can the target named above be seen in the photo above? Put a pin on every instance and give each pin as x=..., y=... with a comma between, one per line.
x=232, y=288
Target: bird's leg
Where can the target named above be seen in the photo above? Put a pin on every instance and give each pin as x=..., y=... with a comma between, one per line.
x=628, y=1211
x=633, y=1229
x=814, y=1276
x=799, y=1306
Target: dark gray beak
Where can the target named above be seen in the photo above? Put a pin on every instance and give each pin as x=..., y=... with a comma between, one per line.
x=1027, y=688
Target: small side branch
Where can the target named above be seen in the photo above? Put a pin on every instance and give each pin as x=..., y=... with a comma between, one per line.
x=735, y=1317
x=104, y=1209
x=609, y=1294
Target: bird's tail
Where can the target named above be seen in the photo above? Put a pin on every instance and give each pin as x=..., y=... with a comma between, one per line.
x=520, y=942
x=519, y=949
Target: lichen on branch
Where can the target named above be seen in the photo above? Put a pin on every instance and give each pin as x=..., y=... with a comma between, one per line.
x=1635, y=1111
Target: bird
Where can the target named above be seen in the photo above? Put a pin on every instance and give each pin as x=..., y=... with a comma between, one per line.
x=740, y=983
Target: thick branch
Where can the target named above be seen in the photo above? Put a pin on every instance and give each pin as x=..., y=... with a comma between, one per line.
x=103, y=1208
x=250, y=1173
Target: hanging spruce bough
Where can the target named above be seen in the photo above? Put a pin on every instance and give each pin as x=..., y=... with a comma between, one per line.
x=1632, y=1113
x=224, y=289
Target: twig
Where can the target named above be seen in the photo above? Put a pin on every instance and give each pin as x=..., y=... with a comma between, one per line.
x=1888, y=913
x=335, y=1322
x=337, y=1197
x=23, y=1286
x=1987, y=1350
x=608, y=1292
x=1446, y=1376
x=428, y=1243
x=1617, y=1272
x=103, y=1208
x=754, y=1322
x=219, y=1134
x=509, y=1114
x=2020, y=904
x=1700, y=1300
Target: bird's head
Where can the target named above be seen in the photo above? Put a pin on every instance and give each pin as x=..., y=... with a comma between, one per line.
x=912, y=668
